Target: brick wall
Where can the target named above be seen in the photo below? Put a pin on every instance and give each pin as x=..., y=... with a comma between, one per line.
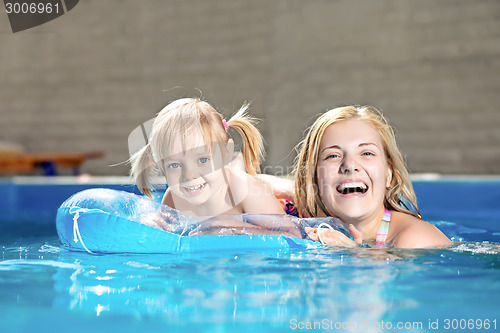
x=83, y=81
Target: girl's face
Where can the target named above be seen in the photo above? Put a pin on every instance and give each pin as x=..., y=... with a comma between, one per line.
x=194, y=171
x=352, y=170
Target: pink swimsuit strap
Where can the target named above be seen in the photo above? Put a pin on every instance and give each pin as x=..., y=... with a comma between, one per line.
x=383, y=230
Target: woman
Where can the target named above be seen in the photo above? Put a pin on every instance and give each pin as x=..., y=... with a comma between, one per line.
x=350, y=167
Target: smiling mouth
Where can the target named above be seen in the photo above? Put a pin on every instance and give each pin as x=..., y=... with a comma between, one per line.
x=354, y=187
x=195, y=189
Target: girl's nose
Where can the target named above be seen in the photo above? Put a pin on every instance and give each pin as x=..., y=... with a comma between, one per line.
x=189, y=172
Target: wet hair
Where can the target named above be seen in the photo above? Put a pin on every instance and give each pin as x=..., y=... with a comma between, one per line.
x=399, y=197
x=186, y=116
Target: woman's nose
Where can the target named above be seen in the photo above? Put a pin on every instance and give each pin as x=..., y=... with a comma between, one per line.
x=349, y=165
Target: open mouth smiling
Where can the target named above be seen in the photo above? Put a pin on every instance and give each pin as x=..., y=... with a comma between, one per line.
x=352, y=188
x=195, y=188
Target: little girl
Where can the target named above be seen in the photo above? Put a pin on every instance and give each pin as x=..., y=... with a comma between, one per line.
x=189, y=145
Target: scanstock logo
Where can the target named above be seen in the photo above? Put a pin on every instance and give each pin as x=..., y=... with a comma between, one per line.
x=26, y=14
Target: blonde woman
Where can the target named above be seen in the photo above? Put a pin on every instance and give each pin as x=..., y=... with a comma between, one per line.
x=349, y=167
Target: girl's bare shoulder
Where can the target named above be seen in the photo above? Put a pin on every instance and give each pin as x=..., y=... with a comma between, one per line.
x=254, y=196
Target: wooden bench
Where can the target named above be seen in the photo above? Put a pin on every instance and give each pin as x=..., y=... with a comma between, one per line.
x=16, y=162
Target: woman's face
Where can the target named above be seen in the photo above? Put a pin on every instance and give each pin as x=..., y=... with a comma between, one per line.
x=352, y=170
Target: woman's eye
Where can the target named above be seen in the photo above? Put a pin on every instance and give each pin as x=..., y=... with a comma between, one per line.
x=204, y=160
x=368, y=153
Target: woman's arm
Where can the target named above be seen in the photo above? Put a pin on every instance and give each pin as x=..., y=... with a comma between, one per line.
x=335, y=238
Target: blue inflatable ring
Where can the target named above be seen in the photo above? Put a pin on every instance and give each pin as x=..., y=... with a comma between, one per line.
x=108, y=221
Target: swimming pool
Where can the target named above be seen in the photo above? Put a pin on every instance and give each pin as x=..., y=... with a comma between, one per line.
x=47, y=288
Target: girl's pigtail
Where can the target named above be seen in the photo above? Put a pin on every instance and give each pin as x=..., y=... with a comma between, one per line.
x=142, y=169
x=253, y=145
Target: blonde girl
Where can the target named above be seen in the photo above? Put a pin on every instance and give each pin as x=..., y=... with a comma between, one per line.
x=349, y=166
x=189, y=145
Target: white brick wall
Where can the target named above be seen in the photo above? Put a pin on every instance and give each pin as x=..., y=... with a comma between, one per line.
x=84, y=81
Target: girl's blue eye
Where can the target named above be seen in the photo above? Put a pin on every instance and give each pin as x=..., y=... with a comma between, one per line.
x=203, y=160
x=174, y=165
x=331, y=156
x=368, y=153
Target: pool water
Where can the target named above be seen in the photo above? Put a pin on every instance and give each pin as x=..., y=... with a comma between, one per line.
x=45, y=287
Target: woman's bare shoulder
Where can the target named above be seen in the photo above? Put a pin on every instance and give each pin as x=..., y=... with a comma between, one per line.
x=412, y=232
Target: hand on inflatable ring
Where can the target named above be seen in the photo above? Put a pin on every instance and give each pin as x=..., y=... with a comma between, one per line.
x=335, y=238
x=155, y=220
x=227, y=228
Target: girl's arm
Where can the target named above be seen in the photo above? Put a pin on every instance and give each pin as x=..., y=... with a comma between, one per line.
x=260, y=199
x=267, y=216
x=282, y=188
